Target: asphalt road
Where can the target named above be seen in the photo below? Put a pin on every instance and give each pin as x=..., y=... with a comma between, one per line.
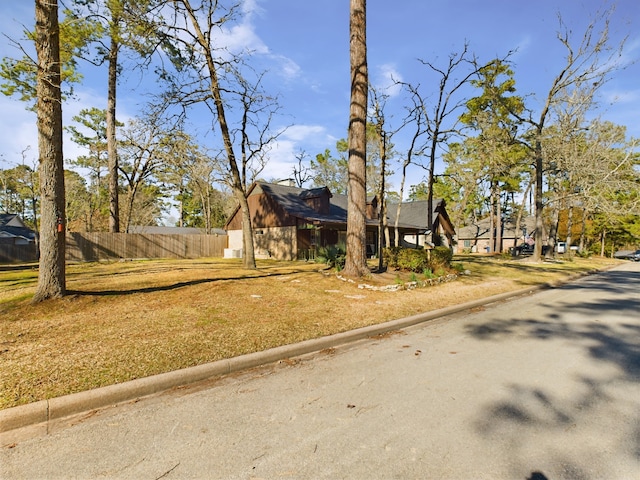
x=546, y=386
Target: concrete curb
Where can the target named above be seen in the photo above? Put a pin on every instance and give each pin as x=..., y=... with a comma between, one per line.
x=44, y=412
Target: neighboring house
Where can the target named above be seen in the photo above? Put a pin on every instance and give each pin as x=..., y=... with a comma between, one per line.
x=475, y=238
x=413, y=223
x=291, y=223
x=17, y=241
x=13, y=231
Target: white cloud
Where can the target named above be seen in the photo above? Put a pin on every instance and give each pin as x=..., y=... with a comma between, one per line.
x=523, y=45
x=287, y=67
x=18, y=127
x=240, y=38
x=310, y=139
x=17, y=132
x=387, y=78
x=622, y=96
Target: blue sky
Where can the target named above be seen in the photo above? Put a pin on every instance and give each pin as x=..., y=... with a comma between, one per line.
x=304, y=44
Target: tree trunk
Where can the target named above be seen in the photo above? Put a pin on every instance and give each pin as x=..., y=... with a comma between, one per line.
x=537, y=250
x=356, y=261
x=112, y=153
x=396, y=230
x=498, y=248
x=51, y=276
x=248, y=253
x=432, y=166
x=492, y=218
x=569, y=238
x=553, y=232
x=583, y=229
x=383, y=160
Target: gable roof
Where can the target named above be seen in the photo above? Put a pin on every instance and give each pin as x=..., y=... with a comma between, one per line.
x=293, y=201
x=414, y=214
x=11, y=220
x=12, y=226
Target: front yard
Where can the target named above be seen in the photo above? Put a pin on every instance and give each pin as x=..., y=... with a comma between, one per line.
x=126, y=320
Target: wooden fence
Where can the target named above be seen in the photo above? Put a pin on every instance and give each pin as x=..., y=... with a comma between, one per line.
x=10, y=253
x=108, y=246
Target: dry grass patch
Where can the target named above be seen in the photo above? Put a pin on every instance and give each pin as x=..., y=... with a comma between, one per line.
x=127, y=320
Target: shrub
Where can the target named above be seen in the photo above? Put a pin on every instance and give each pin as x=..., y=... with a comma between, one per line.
x=406, y=259
x=418, y=260
x=428, y=274
x=334, y=256
x=413, y=260
x=458, y=267
x=390, y=256
x=440, y=258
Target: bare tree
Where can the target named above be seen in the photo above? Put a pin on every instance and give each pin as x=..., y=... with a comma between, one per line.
x=378, y=102
x=51, y=275
x=143, y=149
x=440, y=117
x=301, y=172
x=356, y=260
x=210, y=74
x=416, y=117
x=589, y=62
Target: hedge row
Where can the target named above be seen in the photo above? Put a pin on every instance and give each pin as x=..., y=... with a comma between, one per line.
x=417, y=260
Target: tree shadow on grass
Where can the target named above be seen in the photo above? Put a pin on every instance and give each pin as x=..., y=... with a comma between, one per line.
x=174, y=286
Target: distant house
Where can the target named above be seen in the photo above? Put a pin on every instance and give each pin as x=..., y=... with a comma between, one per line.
x=413, y=223
x=476, y=238
x=18, y=243
x=291, y=223
x=13, y=231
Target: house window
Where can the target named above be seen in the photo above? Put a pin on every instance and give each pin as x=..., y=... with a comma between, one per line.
x=467, y=244
x=371, y=238
x=313, y=237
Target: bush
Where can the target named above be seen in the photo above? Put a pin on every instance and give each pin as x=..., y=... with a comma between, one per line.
x=440, y=258
x=458, y=267
x=406, y=259
x=418, y=260
x=428, y=274
x=334, y=256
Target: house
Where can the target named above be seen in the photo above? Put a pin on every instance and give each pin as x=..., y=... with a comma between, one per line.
x=13, y=231
x=17, y=241
x=413, y=223
x=291, y=223
x=475, y=238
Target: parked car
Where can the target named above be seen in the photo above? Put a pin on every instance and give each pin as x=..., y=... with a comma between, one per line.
x=522, y=249
x=526, y=249
x=628, y=255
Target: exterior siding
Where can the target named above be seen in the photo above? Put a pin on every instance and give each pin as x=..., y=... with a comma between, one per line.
x=235, y=239
x=279, y=243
